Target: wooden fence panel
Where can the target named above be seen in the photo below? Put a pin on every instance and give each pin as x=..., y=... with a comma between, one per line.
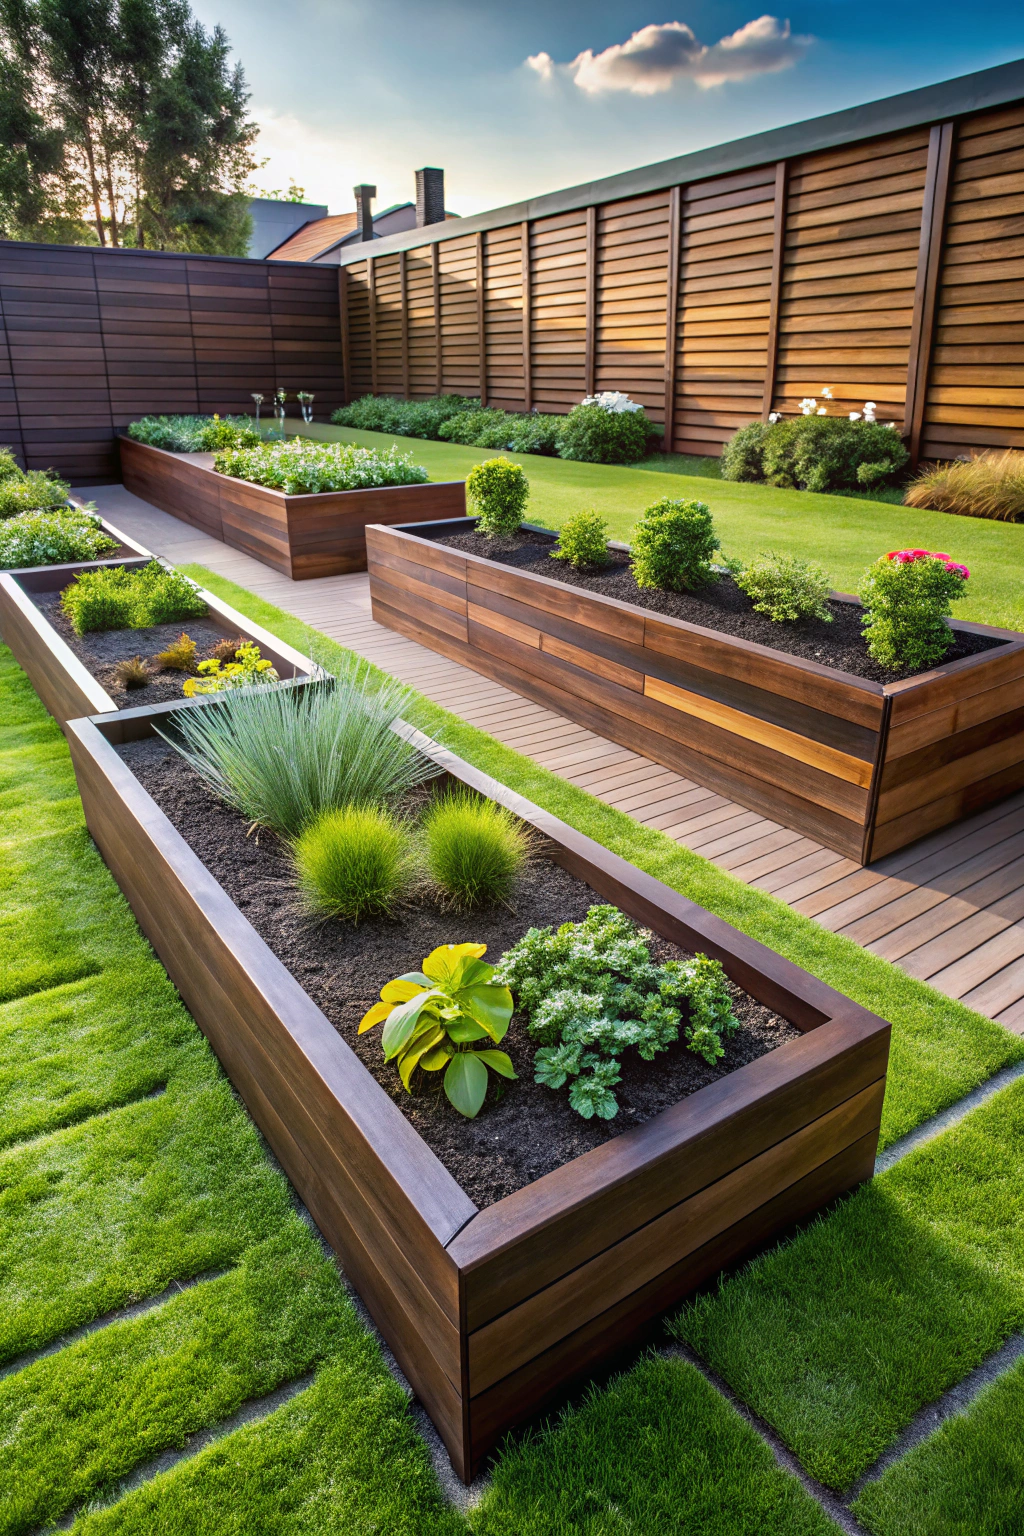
x=503, y=318
x=387, y=289
x=460, y=326
x=419, y=292
x=360, y=381
x=558, y=311
x=631, y=299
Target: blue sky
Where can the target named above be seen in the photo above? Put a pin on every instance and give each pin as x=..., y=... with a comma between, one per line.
x=525, y=97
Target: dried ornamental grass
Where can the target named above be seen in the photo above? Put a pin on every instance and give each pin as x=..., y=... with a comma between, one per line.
x=991, y=485
x=132, y=673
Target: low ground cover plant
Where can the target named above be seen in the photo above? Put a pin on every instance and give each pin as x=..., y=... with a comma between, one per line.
x=989, y=485
x=517, y=431
x=590, y=991
x=195, y=434
x=499, y=490
x=403, y=418
x=474, y=849
x=354, y=862
x=52, y=538
x=245, y=668
x=907, y=595
x=786, y=588
x=673, y=546
x=816, y=453
x=119, y=597
x=301, y=467
x=606, y=429
x=582, y=541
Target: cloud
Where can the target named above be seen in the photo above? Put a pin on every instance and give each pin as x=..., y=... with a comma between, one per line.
x=653, y=59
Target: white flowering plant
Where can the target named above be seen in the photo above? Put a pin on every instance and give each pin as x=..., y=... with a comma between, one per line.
x=613, y=400
x=301, y=467
x=52, y=538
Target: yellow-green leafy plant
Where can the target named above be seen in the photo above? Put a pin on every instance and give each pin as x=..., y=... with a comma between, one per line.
x=499, y=490
x=447, y=1018
x=475, y=849
x=180, y=655
x=248, y=668
x=583, y=540
x=786, y=588
x=354, y=862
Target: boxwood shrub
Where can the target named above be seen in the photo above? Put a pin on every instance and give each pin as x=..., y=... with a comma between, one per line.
x=816, y=453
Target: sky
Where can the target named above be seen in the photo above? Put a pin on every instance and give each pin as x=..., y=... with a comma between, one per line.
x=522, y=98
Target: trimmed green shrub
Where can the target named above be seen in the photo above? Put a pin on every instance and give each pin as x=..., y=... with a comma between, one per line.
x=906, y=596
x=301, y=467
x=499, y=490
x=991, y=485
x=816, y=453
x=116, y=597
x=354, y=862
x=786, y=588
x=594, y=435
x=195, y=434
x=403, y=418
x=52, y=538
x=583, y=540
x=673, y=544
x=743, y=455
x=475, y=849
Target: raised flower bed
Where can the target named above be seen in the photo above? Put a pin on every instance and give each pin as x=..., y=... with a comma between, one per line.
x=303, y=536
x=493, y=1307
x=861, y=765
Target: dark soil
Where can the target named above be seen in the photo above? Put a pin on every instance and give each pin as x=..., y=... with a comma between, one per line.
x=524, y=1130
x=721, y=606
x=101, y=650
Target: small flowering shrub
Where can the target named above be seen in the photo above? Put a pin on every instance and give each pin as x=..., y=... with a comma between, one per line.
x=672, y=546
x=591, y=991
x=52, y=538
x=194, y=434
x=906, y=596
x=215, y=675
x=499, y=490
x=403, y=418
x=817, y=453
x=786, y=588
x=605, y=429
x=116, y=597
x=583, y=541
x=301, y=467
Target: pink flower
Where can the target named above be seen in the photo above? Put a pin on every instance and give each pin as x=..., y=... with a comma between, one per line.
x=908, y=556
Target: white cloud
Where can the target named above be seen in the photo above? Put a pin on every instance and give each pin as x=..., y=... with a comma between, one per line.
x=653, y=59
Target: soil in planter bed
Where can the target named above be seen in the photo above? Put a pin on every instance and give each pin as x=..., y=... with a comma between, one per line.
x=524, y=1130
x=99, y=650
x=720, y=606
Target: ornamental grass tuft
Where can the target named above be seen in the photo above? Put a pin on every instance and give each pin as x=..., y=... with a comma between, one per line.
x=132, y=673
x=354, y=863
x=991, y=485
x=475, y=849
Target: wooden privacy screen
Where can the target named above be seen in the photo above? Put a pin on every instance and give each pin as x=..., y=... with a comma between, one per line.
x=90, y=339
x=890, y=270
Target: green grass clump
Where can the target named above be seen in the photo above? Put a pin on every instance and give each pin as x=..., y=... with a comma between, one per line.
x=353, y=862
x=475, y=849
x=967, y=1479
x=130, y=597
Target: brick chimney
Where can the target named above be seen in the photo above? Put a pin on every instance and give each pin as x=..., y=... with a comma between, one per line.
x=364, y=197
x=429, y=196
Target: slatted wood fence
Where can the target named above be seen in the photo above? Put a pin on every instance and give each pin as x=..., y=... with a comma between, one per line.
x=891, y=269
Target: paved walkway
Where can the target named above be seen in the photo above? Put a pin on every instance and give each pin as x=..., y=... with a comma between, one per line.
x=949, y=909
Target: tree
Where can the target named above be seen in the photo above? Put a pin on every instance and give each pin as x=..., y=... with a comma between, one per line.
x=126, y=113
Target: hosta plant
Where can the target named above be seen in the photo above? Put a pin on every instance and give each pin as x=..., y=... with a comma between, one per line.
x=447, y=1018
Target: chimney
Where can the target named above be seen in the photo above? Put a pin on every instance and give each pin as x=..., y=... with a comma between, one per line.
x=364, y=197
x=429, y=196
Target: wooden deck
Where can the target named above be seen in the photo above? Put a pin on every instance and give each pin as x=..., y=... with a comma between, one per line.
x=949, y=909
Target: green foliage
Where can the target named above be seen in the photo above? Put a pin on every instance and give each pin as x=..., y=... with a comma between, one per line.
x=475, y=849
x=583, y=540
x=246, y=669
x=353, y=862
x=120, y=597
x=9, y=468
x=52, y=538
x=591, y=991
x=991, y=485
x=673, y=545
x=132, y=673
x=597, y=436
x=180, y=655
x=301, y=467
x=519, y=433
x=434, y=1019
x=906, y=597
x=403, y=418
x=819, y=453
x=195, y=434
x=499, y=490
x=31, y=491
x=281, y=755
x=786, y=588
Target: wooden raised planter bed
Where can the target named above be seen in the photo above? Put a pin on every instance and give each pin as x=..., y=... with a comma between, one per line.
x=64, y=684
x=303, y=536
x=863, y=767
x=495, y=1313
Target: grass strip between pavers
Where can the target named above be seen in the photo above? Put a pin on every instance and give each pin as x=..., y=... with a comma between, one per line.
x=965, y=1480
x=839, y=1336
x=940, y=1049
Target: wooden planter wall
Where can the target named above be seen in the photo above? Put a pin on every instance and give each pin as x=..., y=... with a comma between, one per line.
x=889, y=269
x=493, y=1314
x=863, y=768
x=303, y=536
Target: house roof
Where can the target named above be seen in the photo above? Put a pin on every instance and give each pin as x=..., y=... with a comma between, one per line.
x=315, y=237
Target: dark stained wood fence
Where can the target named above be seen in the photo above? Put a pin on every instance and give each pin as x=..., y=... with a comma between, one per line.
x=891, y=270
x=90, y=339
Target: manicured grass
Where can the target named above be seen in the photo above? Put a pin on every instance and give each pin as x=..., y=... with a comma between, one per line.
x=838, y=1337
x=940, y=1049
x=966, y=1480
x=842, y=533
x=658, y=1451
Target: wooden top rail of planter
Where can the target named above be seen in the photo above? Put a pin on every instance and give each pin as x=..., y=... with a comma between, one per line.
x=303, y=536
x=860, y=766
x=64, y=684
x=494, y=1314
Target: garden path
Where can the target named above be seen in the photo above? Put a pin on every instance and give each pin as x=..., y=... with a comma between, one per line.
x=949, y=909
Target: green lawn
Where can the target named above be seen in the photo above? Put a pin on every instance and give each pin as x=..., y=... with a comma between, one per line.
x=843, y=533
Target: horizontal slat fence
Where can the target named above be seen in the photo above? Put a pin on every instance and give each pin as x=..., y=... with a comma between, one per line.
x=891, y=269
x=92, y=339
